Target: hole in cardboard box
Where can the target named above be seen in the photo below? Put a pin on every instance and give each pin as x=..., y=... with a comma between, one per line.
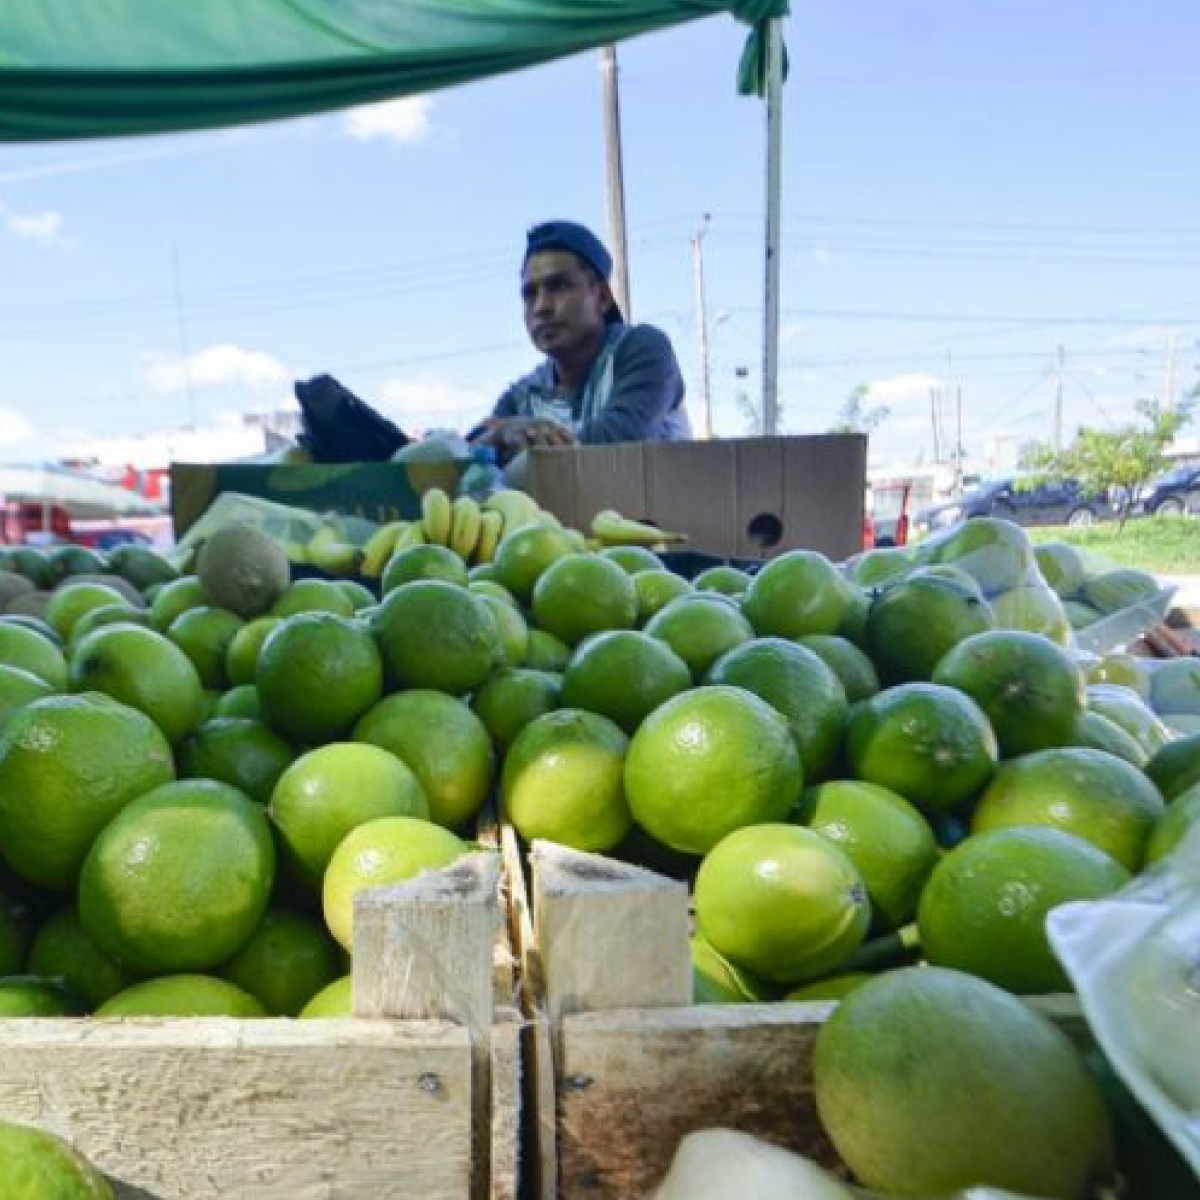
x=766, y=529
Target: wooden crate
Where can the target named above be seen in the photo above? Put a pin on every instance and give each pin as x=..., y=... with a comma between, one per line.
x=627, y=1064
x=418, y=1096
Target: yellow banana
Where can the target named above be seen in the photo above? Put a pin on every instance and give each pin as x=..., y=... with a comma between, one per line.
x=327, y=551
x=414, y=535
x=465, y=521
x=491, y=530
x=609, y=527
x=295, y=551
x=436, y=510
x=379, y=546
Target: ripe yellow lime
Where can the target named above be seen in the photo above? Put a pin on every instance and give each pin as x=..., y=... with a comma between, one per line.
x=144, y=670
x=985, y=906
x=174, y=599
x=313, y=596
x=707, y=762
x=444, y=744
x=179, y=879
x=204, y=635
x=932, y=744
x=511, y=628
x=509, y=700
x=68, y=765
x=240, y=751
x=423, y=562
x=183, y=995
x=582, y=594
x=241, y=658
x=525, y=553
x=317, y=674
x=437, y=635
x=1094, y=795
x=40, y=1166
x=545, y=652
x=797, y=593
x=781, y=902
x=289, y=958
x=335, y=999
x=798, y=685
x=911, y=625
x=1030, y=689
x=19, y=688
x=562, y=781
x=930, y=1080
x=61, y=949
x=883, y=835
x=21, y=647
x=700, y=627
x=656, y=589
x=381, y=852
x=632, y=559
x=329, y=791
x=623, y=675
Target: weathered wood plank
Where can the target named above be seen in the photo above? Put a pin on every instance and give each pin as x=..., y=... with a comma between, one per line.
x=210, y=1109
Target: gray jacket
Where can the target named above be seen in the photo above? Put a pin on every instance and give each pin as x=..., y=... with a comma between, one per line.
x=633, y=393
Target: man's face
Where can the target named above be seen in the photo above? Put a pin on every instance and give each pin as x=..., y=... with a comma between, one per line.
x=565, y=302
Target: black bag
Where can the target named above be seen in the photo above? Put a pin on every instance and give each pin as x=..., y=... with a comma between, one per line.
x=340, y=428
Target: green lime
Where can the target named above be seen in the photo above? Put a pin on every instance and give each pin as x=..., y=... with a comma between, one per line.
x=708, y=762
x=655, y=589
x=632, y=559
x=562, y=781
x=854, y=669
x=204, y=635
x=995, y=552
x=174, y=600
x=241, y=658
x=19, y=688
x=184, y=995
x=313, y=596
x=1176, y=767
x=781, y=902
x=582, y=594
x=545, y=652
x=1182, y=813
x=799, y=592
x=329, y=791
x=240, y=751
x=180, y=879
x=510, y=699
x=525, y=553
x=335, y=999
x=728, y=580
x=62, y=949
x=700, y=627
x=34, y=996
x=21, y=647
x=40, y=1166
x=423, y=562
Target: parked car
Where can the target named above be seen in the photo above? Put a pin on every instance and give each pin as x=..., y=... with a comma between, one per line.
x=1173, y=494
x=1047, y=502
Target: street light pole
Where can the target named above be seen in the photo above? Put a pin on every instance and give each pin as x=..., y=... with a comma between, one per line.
x=702, y=324
x=615, y=188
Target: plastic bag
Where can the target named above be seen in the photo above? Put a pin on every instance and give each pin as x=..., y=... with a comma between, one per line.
x=1135, y=961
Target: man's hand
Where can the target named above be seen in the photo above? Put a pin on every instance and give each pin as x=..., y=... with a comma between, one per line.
x=520, y=433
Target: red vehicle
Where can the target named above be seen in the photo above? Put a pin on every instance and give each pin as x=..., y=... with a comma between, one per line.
x=47, y=522
x=886, y=520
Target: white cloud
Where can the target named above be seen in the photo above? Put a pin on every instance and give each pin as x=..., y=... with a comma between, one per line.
x=418, y=402
x=228, y=437
x=900, y=389
x=224, y=365
x=15, y=428
x=45, y=227
x=402, y=121
x=1149, y=337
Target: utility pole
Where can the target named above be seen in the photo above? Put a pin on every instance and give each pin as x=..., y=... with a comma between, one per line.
x=937, y=425
x=1058, y=401
x=774, y=201
x=615, y=188
x=185, y=353
x=702, y=323
x=1169, y=374
x=958, y=442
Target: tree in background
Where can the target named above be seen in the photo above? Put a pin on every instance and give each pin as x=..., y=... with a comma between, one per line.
x=855, y=417
x=1119, y=461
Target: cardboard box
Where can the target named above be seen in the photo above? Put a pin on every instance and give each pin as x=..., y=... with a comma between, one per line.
x=748, y=497
x=380, y=492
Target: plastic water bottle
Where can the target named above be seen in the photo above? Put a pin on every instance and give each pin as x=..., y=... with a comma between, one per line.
x=483, y=476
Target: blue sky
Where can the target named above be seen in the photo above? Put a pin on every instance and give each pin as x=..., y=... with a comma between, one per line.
x=967, y=188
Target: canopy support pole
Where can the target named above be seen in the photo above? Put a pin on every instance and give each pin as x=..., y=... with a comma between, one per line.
x=774, y=198
x=615, y=190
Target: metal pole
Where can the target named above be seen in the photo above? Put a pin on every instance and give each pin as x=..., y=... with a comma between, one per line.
x=702, y=324
x=1058, y=402
x=615, y=189
x=774, y=201
x=1169, y=374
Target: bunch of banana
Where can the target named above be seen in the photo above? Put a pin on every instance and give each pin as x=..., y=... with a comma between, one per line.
x=379, y=547
x=328, y=550
x=459, y=524
x=609, y=528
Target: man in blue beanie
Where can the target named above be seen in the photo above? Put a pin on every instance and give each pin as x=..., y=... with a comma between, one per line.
x=602, y=380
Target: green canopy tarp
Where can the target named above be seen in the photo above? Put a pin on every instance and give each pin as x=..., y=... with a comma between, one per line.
x=102, y=68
